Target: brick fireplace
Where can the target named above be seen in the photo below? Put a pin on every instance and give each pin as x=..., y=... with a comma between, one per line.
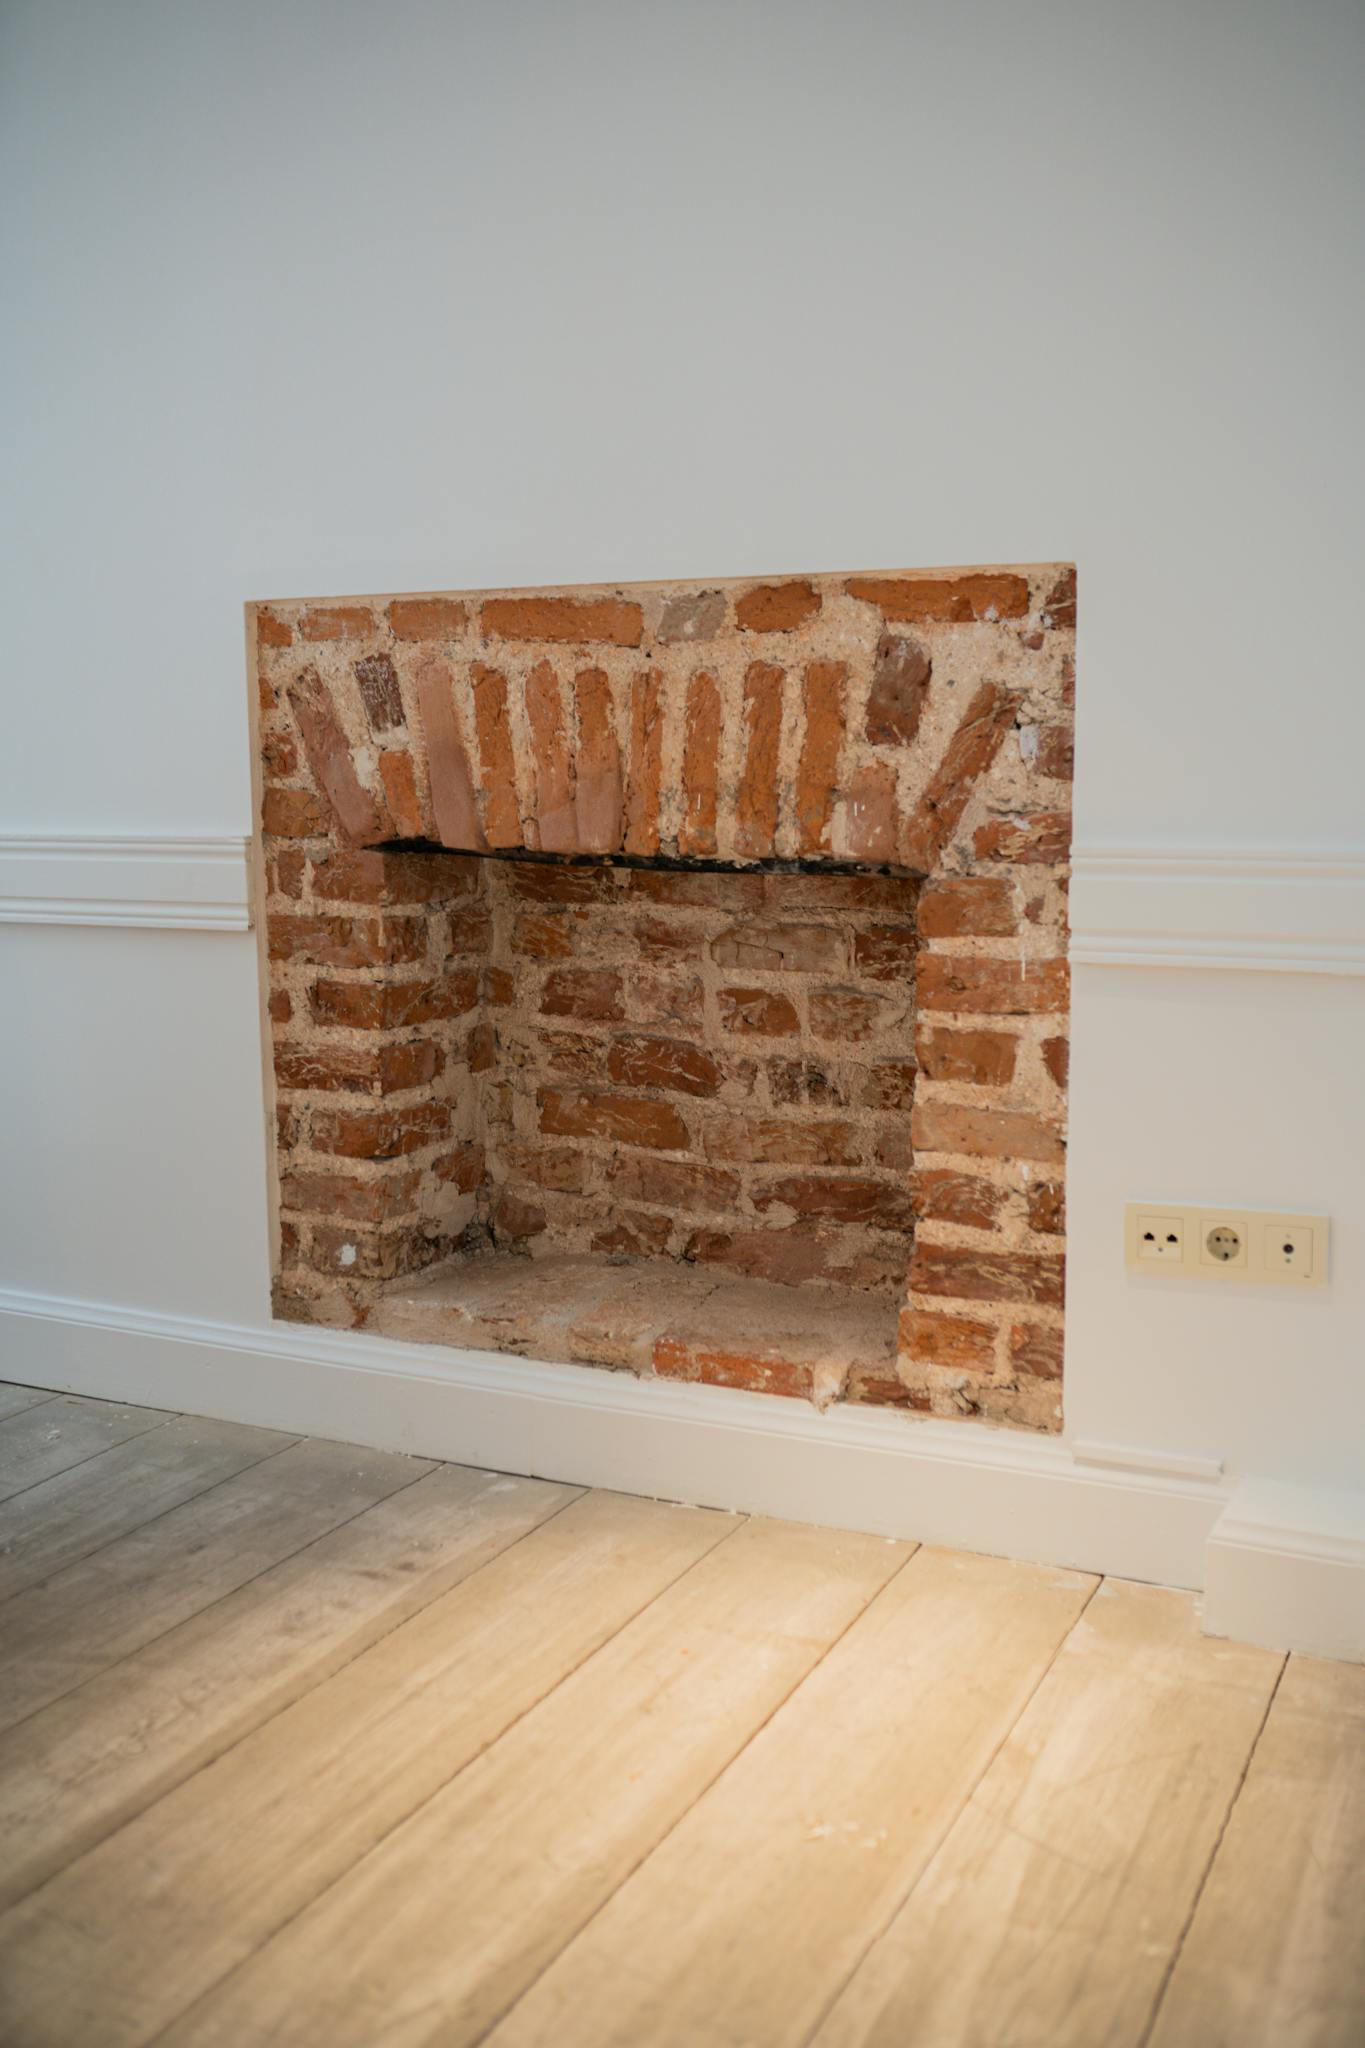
x=672, y=977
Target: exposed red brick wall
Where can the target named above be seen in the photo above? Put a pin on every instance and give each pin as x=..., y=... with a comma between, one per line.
x=807, y=1077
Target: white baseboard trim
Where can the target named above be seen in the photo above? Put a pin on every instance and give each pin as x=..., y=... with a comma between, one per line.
x=179, y=884
x=1285, y=912
x=961, y=1484
x=1286, y=1567
x=1279, y=1565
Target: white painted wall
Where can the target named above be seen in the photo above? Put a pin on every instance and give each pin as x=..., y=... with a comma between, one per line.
x=320, y=298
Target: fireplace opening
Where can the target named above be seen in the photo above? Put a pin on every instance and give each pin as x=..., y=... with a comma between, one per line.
x=674, y=980
x=682, y=1124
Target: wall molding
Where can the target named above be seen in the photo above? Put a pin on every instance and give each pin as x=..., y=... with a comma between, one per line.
x=1286, y=1567
x=962, y=1484
x=197, y=884
x=1279, y=912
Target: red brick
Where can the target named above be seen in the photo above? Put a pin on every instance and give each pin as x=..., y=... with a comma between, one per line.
x=777, y=607
x=1059, y=606
x=556, y=822
x=346, y=941
x=950, y=600
x=624, y=1119
x=383, y=1070
x=272, y=631
x=427, y=618
x=542, y=938
x=346, y=876
x=781, y=948
x=662, y=938
x=888, y=1085
x=1027, y=836
x=592, y=992
x=285, y=871
x=549, y=882
x=701, y=755
x=969, y=906
x=1036, y=1348
x=900, y=684
x=597, y=799
x=645, y=769
x=481, y=1049
x=1057, y=1058
x=867, y=1388
x=609, y=619
x=337, y=622
x=693, y=890
x=470, y=932
x=976, y=985
x=379, y=692
x=664, y=1063
x=986, y=1133
x=893, y=1148
x=279, y=756
x=756, y=799
x=344, y=1199
x=817, y=774
x=1047, y=1207
x=837, y=1198
x=871, y=814
x=781, y=1141
x=452, y=785
x=1056, y=753
x=968, y=1274
x=632, y=1236
x=983, y=1057
x=514, y=1219
x=292, y=814
x=557, y=1167
x=849, y=1013
x=501, y=810
x=886, y=952
x=281, y=1009
x=766, y=1372
x=756, y=1011
x=572, y=1056
x=969, y=753
x=392, y=1005
x=691, y=615
x=806, y=1081
x=671, y=1184
x=400, y=793
x=943, y=1195
x=461, y=1169
x=380, y=1133
x=929, y=1338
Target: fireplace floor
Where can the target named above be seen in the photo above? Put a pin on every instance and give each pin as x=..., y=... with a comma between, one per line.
x=656, y=1316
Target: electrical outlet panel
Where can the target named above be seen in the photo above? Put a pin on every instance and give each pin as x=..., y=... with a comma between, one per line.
x=1227, y=1244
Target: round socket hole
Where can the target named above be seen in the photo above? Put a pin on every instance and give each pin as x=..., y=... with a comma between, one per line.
x=1223, y=1243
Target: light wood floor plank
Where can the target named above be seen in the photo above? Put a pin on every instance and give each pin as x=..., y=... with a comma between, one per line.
x=1275, y=1955
x=457, y=1911
x=744, y=1922
x=79, y=1769
x=61, y=1634
x=14, y=1399
x=49, y=1526
x=48, y=1438
x=118, y=1943
x=1051, y=1912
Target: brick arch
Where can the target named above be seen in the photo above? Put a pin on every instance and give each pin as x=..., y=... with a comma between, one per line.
x=910, y=724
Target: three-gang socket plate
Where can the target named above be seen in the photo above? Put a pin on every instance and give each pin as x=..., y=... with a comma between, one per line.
x=1227, y=1244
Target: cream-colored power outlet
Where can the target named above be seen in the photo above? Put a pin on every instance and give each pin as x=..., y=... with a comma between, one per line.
x=1227, y=1244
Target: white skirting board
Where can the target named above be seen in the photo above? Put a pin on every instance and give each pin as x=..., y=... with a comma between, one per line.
x=960, y=1484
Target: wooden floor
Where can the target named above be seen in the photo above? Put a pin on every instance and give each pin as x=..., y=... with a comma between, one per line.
x=303, y=1743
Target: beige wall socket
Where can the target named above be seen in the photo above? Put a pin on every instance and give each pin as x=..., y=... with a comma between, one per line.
x=1276, y=1249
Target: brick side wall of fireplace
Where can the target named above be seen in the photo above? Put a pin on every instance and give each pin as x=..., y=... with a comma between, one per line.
x=818, y=1078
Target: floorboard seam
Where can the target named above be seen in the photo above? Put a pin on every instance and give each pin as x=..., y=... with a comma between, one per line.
x=76, y=1463
x=967, y=1799
x=1188, y=1922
